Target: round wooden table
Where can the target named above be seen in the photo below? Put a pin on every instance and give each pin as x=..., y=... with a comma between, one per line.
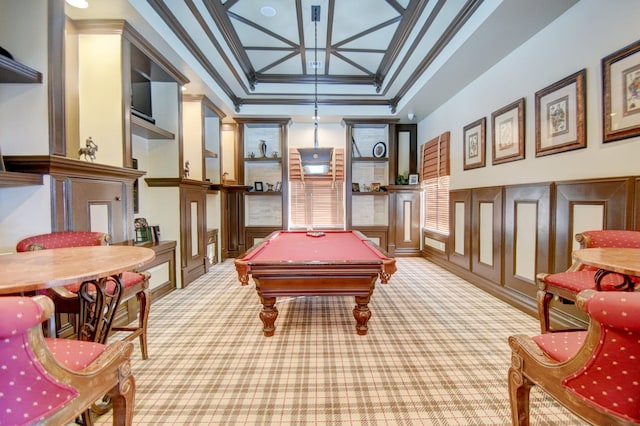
x=98, y=268
x=624, y=261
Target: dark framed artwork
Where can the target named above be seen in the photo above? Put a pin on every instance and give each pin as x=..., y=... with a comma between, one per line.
x=507, y=133
x=257, y=186
x=355, y=187
x=621, y=93
x=379, y=150
x=474, y=144
x=560, y=115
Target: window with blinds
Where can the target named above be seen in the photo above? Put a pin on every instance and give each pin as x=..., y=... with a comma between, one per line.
x=434, y=174
x=316, y=201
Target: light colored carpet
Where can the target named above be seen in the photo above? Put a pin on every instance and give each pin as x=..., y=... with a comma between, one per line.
x=436, y=354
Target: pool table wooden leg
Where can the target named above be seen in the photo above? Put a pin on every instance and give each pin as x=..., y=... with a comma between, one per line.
x=268, y=315
x=362, y=314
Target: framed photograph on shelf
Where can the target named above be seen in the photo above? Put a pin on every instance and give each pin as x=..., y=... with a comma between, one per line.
x=507, y=133
x=474, y=144
x=355, y=187
x=560, y=115
x=621, y=93
x=375, y=187
x=257, y=186
x=413, y=179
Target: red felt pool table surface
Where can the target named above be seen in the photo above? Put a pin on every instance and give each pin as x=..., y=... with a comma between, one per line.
x=300, y=246
x=293, y=263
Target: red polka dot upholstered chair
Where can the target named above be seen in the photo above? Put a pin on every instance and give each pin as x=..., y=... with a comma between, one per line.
x=593, y=373
x=53, y=381
x=66, y=299
x=566, y=285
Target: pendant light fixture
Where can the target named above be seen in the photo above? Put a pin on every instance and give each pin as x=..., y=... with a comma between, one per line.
x=315, y=160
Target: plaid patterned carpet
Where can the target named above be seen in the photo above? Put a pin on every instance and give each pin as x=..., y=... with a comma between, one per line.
x=436, y=354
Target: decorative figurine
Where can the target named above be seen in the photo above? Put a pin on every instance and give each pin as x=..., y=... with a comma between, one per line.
x=274, y=154
x=186, y=169
x=269, y=187
x=263, y=148
x=89, y=150
x=252, y=154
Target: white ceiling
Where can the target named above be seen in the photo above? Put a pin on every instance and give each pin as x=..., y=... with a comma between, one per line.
x=380, y=58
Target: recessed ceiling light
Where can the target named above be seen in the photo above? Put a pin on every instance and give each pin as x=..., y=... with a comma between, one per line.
x=80, y=4
x=268, y=11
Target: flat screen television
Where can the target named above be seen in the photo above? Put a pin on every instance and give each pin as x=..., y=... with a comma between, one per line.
x=141, y=100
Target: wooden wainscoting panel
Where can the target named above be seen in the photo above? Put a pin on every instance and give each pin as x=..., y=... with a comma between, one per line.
x=613, y=196
x=460, y=245
x=526, y=250
x=486, y=233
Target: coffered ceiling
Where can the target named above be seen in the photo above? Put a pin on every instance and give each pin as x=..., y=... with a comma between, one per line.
x=374, y=57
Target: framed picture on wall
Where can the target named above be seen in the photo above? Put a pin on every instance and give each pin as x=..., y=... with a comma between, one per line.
x=507, y=133
x=474, y=144
x=560, y=115
x=621, y=93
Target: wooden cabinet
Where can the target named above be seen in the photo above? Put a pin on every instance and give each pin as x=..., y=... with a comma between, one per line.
x=404, y=225
x=264, y=171
x=233, y=230
x=162, y=268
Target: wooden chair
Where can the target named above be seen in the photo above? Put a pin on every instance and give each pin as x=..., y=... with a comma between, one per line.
x=66, y=298
x=53, y=381
x=594, y=373
x=566, y=285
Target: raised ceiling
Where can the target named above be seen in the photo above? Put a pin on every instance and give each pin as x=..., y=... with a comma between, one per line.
x=376, y=57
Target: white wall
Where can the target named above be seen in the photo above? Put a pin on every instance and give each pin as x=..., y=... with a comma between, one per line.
x=329, y=135
x=578, y=39
x=24, y=211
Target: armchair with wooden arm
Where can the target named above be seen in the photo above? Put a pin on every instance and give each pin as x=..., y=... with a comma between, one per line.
x=567, y=284
x=53, y=381
x=594, y=373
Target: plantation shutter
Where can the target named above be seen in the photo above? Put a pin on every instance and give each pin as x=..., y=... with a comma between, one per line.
x=434, y=173
x=316, y=201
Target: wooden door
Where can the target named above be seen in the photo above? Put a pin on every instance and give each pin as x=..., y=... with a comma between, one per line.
x=193, y=233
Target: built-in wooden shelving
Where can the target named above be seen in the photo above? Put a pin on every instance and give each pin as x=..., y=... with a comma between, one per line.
x=14, y=72
x=12, y=179
x=148, y=130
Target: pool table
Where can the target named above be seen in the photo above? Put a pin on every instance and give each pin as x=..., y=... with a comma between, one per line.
x=301, y=263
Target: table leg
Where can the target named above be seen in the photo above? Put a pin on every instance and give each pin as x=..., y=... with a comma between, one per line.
x=98, y=304
x=362, y=314
x=268, y=315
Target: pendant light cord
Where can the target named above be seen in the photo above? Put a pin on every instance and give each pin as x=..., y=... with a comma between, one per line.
x=315, y=67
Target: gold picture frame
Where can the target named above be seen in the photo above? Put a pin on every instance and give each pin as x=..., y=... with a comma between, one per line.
x=621, y=93
x=560, y=115
x=474, y=144
x=507, y=133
